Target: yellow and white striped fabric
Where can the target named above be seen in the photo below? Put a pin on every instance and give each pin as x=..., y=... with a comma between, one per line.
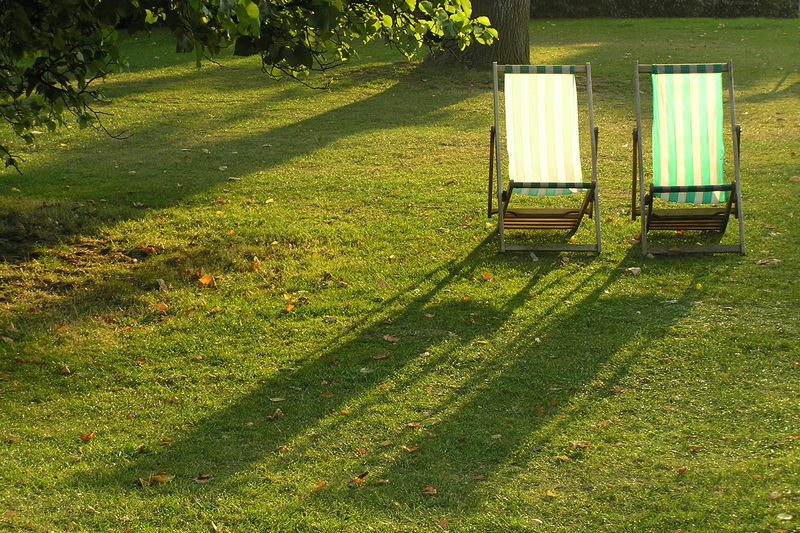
x=542, y=130
x=688, y=148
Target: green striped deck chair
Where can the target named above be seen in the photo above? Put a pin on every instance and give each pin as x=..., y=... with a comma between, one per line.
x=543, y=148
x=688, y=155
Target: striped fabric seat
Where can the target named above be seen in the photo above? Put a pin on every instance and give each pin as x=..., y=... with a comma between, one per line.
x=688, y=149
x=541, y=112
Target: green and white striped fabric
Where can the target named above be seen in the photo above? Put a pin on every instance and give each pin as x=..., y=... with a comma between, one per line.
x=542, y=130
x=687, y=134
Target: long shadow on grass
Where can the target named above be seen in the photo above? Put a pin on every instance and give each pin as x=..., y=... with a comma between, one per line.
x=97, y=183
x=92, y=183
x=487, y=390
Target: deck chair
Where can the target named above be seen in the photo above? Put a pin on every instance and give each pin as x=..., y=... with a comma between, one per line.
x=541, y=130
x=688, y=156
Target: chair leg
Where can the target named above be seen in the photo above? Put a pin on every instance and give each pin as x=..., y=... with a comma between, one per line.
x=492, y=134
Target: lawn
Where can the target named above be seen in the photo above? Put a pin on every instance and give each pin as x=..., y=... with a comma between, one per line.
x=223, y=319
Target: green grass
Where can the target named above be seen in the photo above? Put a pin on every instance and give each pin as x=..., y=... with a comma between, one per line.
x=343, y=197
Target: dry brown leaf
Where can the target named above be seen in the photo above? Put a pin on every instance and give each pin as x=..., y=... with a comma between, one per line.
x=326, y=394
x=444, y=524
x=207, y=280
x=87, y=436
x=162, y=477
x=479, y=477
x=277, y=399
x=682, y=470
x=413, y=425
x=319, y=486
x=768, y=261
x=428, y=490
x=391, y=338
x=276, y=415
x=64, y=370
x=694, y=448
x=410, y=448
x=379, y=355
x=60, y=329
x=144, y=482
x=497, y=436
x=12, y=438
x=615, y=389
x=386, y=443
x=162, y=308
x=203, y=478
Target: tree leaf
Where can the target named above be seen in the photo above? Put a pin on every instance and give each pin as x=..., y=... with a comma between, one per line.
x=428, y=490
x=162, y=477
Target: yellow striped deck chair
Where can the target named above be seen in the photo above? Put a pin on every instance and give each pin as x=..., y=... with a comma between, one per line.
x=542, y=143
x=688, y=155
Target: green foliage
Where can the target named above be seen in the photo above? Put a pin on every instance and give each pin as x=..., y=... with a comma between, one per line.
x=667, y=8
x=52, y=50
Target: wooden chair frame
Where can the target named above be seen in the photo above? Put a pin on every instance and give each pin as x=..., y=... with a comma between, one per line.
x=542, y=218
x=692, y=218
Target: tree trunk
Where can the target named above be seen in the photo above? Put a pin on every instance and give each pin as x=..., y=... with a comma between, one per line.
x=511, y=20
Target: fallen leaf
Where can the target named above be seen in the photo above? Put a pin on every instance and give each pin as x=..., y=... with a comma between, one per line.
x=72, y=525
x=8, y=515
x=579, y=444
x=391, y=338
x=288, y=307
x=410, y=448
x=87, y=436
x=60, y=329
x=444, y=524
x=428, y=490
x=277, y=399
x=65, y=371
x=682, y=470
x=379, y=355
x=615, y=389
x=276, y=415
x=694, y=448
x=361, y=450
x=162, y=308
x=382, y=284
x=550, y=494
x=319, y=486
x=486, y=276
x=768, y=261
x=207, y=280
x=326, y=394
x=386, y=443
x=203, y=478
x=774, y=495
x=161, y=477
x=562, y=458
x=356, y=481
x=784, y=516
x=12, y=438
x=634, y=271
x=345, y=412
x=144, y=482
x=497, y=436
x=553, y=402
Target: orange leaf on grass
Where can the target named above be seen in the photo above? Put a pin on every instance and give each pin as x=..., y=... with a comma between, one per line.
x=87, y=436
x=288, y=307
x=319, y=486
x=162, y=308
x=207, y=280
x=486, y=276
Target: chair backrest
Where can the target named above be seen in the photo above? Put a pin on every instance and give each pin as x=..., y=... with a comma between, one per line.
x=688, y=149
x=541, y=118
